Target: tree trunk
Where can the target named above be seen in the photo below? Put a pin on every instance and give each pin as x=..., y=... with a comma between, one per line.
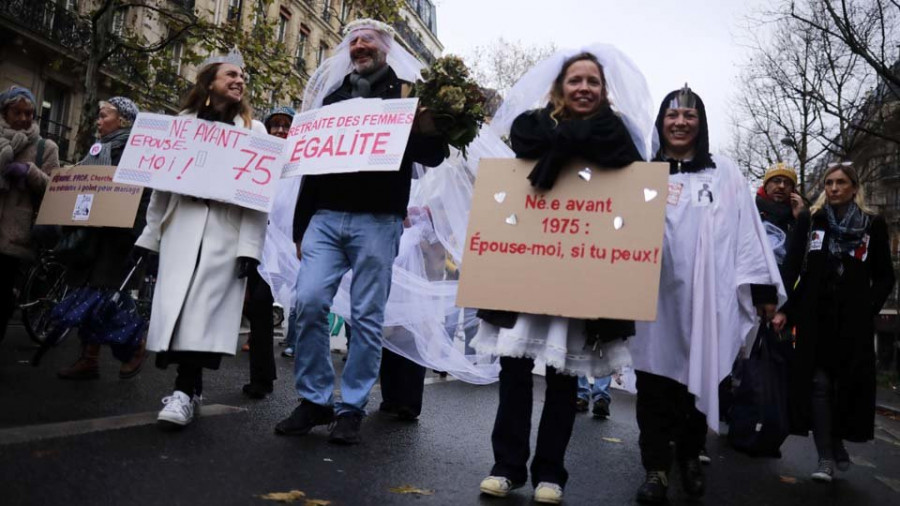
x=98, y=52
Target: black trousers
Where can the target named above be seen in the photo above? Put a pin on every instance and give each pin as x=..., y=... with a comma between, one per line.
x=666, y=413
x=512, y=427
x=9, y=275
x=262, y=329
x=402, y=383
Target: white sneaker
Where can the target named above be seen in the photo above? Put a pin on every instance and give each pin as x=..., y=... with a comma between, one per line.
x=178, y=409
x=498, y=486
x=548, y=493
x=825, y=471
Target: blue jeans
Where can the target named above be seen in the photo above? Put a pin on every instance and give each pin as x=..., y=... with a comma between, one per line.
x=600, y=389
x=334, y=243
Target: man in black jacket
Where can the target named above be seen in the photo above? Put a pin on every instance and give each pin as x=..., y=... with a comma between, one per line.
x=353, y=221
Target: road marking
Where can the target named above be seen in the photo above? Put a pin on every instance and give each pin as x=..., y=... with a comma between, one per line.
x=28, y=433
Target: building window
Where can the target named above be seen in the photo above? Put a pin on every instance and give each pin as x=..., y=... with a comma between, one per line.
x=53, y=117
x=118, y=22
x=300, y=53
x=320, y=56
x=345, y=10
x=234, y=9
x=177, y=53
x=282, y=27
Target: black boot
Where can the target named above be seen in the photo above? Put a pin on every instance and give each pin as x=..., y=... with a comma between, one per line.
x=654, y=489
x=692, y=477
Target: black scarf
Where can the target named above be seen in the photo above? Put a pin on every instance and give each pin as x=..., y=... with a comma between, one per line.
x=601, y=139
x=779, y=214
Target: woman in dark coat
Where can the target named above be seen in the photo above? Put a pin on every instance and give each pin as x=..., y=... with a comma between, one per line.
x=844, y=279
x=103, y=262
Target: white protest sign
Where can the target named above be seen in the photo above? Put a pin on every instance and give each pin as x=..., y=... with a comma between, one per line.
x=205, y=159
x=364, y=134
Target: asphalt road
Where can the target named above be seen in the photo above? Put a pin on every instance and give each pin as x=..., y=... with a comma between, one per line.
x=89, y=443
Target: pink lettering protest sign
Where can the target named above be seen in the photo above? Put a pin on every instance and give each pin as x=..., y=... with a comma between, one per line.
x=186, y=155
x=365, y=134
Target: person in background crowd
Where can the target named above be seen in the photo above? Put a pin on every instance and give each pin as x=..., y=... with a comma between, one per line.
x=714, y=247
x=352, y=222
x=845, y=277
x=598, y=392
x=577, y=122
x=26, y=160
x=108, y=265
x=206, y=251
x=260, y=300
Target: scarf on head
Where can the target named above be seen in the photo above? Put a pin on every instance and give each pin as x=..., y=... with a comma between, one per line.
x=847, y=234
x=601, y=139
x=12, y=142
x=108, y=142
x=361, y=85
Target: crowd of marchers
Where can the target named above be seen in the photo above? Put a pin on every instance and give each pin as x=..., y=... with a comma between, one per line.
x=733, y=271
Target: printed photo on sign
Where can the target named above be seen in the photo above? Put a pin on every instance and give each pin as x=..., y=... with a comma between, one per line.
x=674, y=193
x=816, y=238
x=83, y=203
x=702, y=192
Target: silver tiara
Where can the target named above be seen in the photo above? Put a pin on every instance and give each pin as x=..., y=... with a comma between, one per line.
x=233, y=57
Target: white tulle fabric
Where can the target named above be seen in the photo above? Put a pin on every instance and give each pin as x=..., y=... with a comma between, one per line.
x=626, y=87
x=331, y=73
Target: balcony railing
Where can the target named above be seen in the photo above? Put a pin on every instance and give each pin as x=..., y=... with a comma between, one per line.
x=56, y=132
x=49, y=20
x=415, y=42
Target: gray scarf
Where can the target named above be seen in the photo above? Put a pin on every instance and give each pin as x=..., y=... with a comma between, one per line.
x=108, y=142
x=361, y=85
x=847, y=234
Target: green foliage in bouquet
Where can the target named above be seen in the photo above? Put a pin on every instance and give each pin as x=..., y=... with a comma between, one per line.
x=453, y=100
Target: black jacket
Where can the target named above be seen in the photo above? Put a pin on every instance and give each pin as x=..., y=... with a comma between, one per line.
x=835, y=325
x=366, y=192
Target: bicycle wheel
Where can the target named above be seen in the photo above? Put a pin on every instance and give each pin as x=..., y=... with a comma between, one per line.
x=44, y=287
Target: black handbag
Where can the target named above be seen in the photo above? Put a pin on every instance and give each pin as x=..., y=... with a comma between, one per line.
x=759, y=416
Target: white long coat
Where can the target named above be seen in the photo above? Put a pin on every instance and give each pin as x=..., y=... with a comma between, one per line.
x=198, y=298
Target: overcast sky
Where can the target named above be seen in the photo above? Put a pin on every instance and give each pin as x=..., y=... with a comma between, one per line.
x=671, y=41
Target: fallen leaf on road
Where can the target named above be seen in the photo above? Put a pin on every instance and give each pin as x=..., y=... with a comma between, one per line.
x=328, y=460
x=890, y=482
x=788, y=479
x=316, y=502
x=285, y=497
x=612, y=439
x=409, y=489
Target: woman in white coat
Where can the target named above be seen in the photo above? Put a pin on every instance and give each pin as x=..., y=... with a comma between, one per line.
x=206, y=249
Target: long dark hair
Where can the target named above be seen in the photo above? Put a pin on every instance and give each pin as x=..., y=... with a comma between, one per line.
x=557, y=100
x=195, y=101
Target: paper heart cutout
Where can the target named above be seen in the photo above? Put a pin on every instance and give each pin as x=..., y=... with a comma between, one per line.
x=511, y=219
x=500, y=197
x=649, y=194
x=585, y=173
x=618, y=222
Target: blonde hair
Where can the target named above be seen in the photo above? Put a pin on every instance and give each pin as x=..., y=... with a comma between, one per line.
x=850, y=172
x=557, y=100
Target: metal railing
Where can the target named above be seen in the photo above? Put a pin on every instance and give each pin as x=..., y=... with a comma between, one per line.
x=48, y=19
x=415, y=42
x=56, y=132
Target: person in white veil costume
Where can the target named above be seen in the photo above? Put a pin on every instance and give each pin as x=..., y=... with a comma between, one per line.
x=593, y=104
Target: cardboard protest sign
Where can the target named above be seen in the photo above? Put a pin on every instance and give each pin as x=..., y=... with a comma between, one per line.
x=364, y=134
x=204, y=159
x=86, y=196
x=588, y=248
